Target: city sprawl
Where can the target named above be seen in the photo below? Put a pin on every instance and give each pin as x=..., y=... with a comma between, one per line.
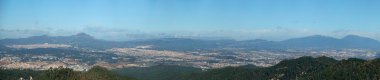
x=44, y=56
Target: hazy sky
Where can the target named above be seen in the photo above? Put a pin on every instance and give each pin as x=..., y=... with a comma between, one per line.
x=236, y=19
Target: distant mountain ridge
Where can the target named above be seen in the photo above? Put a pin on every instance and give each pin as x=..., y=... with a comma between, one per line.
x=358, y=41
x=185, y=44
x=79, y=40
x=318, y=41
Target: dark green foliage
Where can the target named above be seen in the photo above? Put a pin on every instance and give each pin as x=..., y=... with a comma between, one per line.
x=159, y=72
x=100, y=73
x=228, y=73
x=292, y=69
x=59, y=73
x=351, y=69
x=15, y=74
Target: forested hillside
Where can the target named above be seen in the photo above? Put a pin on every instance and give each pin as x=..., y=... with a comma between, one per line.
x=60, y=73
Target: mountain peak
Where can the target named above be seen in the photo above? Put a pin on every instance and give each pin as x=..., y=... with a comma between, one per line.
x=355, y=38
x=313, y=38
x=83, y=35
x=256, y=40
x=317, y=36
x=352, y=36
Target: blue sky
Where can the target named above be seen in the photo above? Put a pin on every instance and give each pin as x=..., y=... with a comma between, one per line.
x=236, y=19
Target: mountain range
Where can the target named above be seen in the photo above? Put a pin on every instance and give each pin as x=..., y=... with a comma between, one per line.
x=183, y=44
